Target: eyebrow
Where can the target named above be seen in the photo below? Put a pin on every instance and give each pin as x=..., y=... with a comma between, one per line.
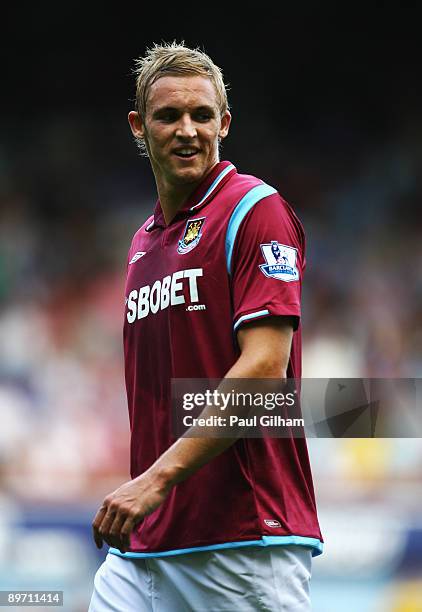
x=164, y=109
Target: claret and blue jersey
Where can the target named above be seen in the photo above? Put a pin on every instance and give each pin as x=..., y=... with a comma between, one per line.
x=233, y=254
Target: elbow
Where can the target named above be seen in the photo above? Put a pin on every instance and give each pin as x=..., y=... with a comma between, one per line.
x=268, y=368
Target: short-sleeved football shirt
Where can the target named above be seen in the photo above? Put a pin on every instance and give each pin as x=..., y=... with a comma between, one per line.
x=233, y=254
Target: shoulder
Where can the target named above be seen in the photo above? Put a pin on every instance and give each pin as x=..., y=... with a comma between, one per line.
x=144, y=228
x=263, y=207
x=273, y=210
x=140, y=235
x=262, y=218
x=238, y=186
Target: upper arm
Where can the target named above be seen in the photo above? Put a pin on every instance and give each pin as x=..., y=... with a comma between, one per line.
x=266, y=267
x=264, y=348
x=267, y=264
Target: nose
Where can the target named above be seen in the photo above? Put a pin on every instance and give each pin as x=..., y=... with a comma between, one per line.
x=186, y=128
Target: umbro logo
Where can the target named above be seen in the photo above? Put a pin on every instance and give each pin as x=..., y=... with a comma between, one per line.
x=137, y=256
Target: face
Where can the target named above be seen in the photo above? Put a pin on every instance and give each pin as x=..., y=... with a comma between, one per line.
x=181, y=129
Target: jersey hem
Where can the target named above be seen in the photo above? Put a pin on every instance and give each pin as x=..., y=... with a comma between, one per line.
x=314, y=543
x=252, y=315
x=266, y=312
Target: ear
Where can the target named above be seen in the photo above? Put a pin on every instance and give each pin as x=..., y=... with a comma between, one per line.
x=225, y=125
x=136, y=124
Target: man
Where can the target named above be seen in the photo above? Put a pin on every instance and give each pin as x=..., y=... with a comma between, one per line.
x=206, y=523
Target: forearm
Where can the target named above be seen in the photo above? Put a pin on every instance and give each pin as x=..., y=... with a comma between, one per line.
x=191, y=452
x=185, y=457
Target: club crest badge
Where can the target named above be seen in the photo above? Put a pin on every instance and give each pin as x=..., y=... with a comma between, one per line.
x=191, y=235
x=280, y=261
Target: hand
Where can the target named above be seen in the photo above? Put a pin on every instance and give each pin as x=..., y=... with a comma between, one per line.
x=125, y=507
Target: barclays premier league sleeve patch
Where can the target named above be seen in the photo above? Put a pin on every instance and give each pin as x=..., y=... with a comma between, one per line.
x=280, y=261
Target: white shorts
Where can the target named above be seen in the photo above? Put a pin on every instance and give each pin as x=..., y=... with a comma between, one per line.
x=236, y=580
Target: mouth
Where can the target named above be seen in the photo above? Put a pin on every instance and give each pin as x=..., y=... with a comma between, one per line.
x=186, y=152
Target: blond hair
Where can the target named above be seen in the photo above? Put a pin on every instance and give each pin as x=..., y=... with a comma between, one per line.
x=176, y=59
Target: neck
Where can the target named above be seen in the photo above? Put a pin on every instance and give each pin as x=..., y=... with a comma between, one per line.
x=173, y=197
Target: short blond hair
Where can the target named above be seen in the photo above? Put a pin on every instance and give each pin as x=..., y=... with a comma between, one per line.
x=176, y=59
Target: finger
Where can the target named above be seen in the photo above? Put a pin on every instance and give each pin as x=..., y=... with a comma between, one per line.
x=125, y=532
x=115, y=528
x=97, y=538
x=104, y=528
x=96, y=525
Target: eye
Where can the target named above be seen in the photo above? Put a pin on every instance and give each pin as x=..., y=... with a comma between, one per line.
x=203, y=117
x=167, y=116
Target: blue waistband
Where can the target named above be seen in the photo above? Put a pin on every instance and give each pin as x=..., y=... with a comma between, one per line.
x=314, y=543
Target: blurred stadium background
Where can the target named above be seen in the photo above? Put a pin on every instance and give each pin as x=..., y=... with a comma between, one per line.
x=330, y=114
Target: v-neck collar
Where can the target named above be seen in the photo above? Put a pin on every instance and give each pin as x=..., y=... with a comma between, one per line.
x=205, y=191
